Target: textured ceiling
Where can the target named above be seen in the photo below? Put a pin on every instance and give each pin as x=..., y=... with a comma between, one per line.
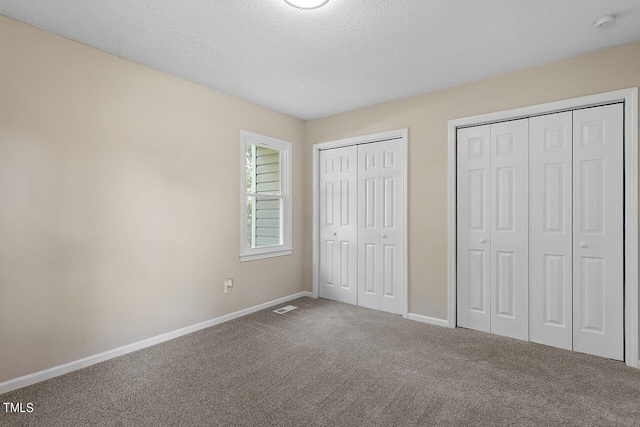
x=345, y=55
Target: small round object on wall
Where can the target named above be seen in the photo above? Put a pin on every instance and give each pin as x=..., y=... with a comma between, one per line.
x=605, y=21
x=306, y=4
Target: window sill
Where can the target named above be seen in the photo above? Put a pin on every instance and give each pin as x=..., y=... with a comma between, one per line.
x=252, y=257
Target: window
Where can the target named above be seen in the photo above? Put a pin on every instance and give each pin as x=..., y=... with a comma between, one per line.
x=265, y=197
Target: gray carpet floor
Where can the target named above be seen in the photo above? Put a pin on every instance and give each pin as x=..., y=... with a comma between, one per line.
x=332, y=364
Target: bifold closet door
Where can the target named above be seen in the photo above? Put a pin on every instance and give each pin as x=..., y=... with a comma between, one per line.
x=492, y=228
x=338, y=224
x=550, y=229
x=598, y=221
x=510, y=229
x=541, y=229
x=473, y=228
x=380, y=226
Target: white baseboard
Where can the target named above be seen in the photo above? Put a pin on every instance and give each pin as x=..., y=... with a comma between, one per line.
x=46, y=374
x=430, y=320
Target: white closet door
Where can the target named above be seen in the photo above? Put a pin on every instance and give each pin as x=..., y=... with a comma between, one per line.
x=550, y=230
x=338, y=227
x=473, y=228
x=510, y=229
x=369, y=277
x=598, y=231
x=380, y=226
x=391, y=226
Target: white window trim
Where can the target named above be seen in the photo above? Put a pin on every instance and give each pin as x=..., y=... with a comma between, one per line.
x=249, y=254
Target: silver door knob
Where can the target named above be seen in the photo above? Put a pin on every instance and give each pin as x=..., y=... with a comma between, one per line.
x=384, y=236
x=483, y=241
x=335, y=234
x=583, y=245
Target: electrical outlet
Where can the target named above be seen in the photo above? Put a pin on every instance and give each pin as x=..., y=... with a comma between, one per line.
x=228, y=284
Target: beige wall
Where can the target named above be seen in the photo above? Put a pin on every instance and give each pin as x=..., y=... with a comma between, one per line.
x=119, y=202
x=426, y=117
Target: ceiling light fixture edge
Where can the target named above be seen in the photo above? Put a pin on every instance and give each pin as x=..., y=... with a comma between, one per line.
x=303, y=4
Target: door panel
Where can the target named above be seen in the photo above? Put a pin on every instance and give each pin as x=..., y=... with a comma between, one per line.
x=388, y=278
x=478, y=284
x=392, y=226
x=505, y=198
x=550, y=231
x=338, y=230
x=370, y=256
x=370, y=263
x=473, y=230
x=380, y=226
x=505, y=283
x=477, y=203
x=598, y=231
x=509, y=229
x=592, y=196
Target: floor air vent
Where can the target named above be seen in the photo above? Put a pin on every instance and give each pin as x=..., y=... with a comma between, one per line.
x=283, y=310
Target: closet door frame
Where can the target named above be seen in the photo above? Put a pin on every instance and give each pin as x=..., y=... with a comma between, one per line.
x=629, y=97
x=399, y=134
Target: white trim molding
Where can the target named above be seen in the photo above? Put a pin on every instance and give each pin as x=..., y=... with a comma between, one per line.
x=429, y=320
x=630, y=99
x=402, y=134
x=56, y=371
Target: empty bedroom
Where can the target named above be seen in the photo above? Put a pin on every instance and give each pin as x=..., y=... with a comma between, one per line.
x=319, y=213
